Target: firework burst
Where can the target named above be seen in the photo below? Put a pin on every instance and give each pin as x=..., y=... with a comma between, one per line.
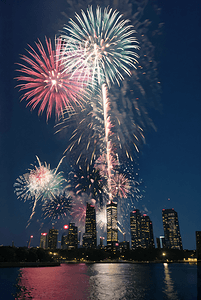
x=106, y=43
x=46, y=83
x=101, y=218
x=120, y=185
x=86, y=179
x=40, y=183
x=87, y=138
x=78, y=212
x=59, y=206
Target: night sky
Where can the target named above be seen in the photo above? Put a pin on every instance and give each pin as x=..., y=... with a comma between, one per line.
x=169, y=162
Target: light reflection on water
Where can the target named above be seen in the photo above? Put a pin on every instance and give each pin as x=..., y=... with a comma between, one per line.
x=110, y=281
x=169, y=284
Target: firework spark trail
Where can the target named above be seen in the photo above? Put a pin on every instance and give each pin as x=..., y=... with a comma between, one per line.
x=86, y=179
x=106, y=42
x=40, y=183
x=120, y=185
x=47, y=83
x=59, y=206
x=101, y=218
x=107, y=124
x=87, y=138
x=130, y=103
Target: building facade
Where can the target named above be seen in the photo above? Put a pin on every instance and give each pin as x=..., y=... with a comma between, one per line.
x=44, y=240
x=70, y=240
x=112, y=229
x=141, y=230
x=52, y=238
x=135, y=228
x=90, y=235
x=160, y=241
x=171, y=229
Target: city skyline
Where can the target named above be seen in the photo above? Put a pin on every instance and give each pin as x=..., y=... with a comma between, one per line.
x=169, y=162
x=140, y=232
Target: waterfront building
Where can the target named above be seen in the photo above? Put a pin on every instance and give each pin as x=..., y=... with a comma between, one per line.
x=135, y=228
x=44, y=240
x=79, y=238
x=52, y=238
x=124, y=246
x=112, y=229
x=160, y=241
x=70, y=240
x=147, y=239
x=198, y=244
x=90, y=236
x=101, y=246
x=171, y=229
x=141, y=230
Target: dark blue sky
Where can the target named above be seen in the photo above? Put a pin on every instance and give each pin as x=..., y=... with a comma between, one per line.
x=169, y=162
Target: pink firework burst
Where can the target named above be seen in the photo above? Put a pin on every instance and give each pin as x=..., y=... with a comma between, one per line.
x=101, y=163
x=120, y=185
x=78, y=209
x=47, y=83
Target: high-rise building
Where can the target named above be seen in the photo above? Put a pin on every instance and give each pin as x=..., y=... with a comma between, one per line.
x=89, y=237
x=141, y=230
x=135, y=227
x=52, y=238
x=160, y=241
x=171, y=229
x=112, y=229
x=70, y=240
x=43, y=240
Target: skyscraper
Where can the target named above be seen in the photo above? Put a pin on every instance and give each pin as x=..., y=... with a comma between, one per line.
x=70, y=240
x=52, y=238
x=160, y=241
x=43, y=240
x=89, y=237
x=146, y=232
x=112, y=229
x=171, y=229
x=141, y=230
x=135, y=227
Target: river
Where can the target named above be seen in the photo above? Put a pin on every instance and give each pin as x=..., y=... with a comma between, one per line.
x=102, y=281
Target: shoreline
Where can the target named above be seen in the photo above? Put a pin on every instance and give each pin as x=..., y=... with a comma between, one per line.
x=28, y=264
x=126, y=262
x=56, y=264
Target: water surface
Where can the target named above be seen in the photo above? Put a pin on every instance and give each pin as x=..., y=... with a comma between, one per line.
x=111, y=281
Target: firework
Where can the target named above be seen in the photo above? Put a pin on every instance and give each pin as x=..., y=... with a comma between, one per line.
x=59, y=206
x=120, y=185
x=78, y=212
x=46, y=83
x=40, y=183
x=106, y=43
x=129, y=104
x=86, y=179
x=87, y=138
x=101, y=218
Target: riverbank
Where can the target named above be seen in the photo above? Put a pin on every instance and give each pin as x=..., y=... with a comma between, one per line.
x=124, y=262
x=28, y=264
